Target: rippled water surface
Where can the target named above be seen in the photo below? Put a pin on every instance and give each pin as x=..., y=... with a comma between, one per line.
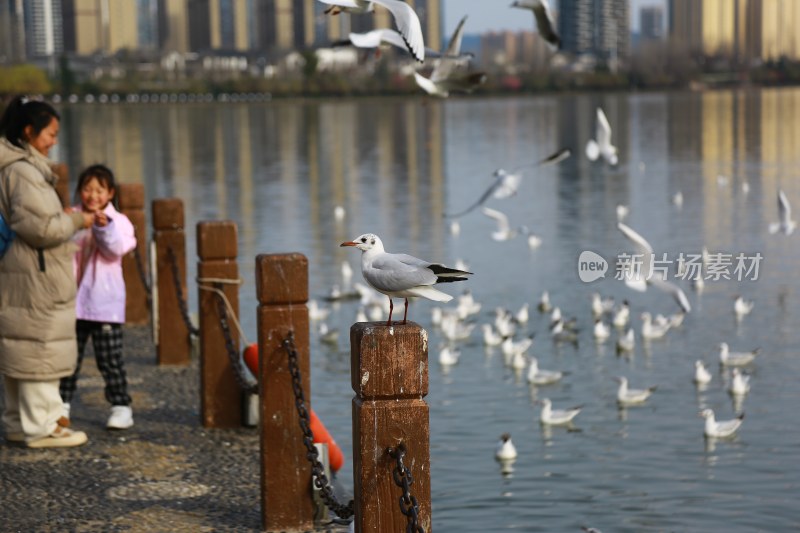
x=279, y=169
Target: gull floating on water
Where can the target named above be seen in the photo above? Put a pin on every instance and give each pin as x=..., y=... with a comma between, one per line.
x=545, y=24
x=505, y=448
x=544, y=305
x=637, y=280
x=728, y=358
x=601, y=331
x=722, y=428
x=490, y=337
x=449, y=356
x=601, y=305
x=557, y=417
x=626, y=396
x=651, y=330
x=402, y=275
x=622, y=315
x=627, y=342
x=740, y=383
x=405, y=18
x=601, y=146
x=785, y=223
x=701, y=374
x=538, y=376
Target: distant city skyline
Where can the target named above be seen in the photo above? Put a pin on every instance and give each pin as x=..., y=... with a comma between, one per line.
x=497, y=15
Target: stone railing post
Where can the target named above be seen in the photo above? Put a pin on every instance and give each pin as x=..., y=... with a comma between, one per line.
x=286, y=491
x=173, y=345
x=221, y=396
x=389, y=374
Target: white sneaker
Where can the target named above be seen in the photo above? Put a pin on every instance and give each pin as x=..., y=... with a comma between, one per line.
x=121, y=417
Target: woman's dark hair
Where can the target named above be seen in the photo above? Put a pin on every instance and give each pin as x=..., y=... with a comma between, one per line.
x=102, y=174
x=22, y=113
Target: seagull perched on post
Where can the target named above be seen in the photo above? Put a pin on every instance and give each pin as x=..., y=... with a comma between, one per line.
x=601, y=146
x=405, y=18
x=544, y=20
x=402, y=275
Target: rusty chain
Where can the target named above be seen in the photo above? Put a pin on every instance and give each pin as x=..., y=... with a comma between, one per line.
x=179, y=291
x=317, y=469
x=403, y=479
x=142, y=275
x=230, y=347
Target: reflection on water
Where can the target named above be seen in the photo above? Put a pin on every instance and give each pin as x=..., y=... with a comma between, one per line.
x=395, y=165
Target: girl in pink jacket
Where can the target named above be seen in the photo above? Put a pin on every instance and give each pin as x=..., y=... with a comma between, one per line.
x=101, y=291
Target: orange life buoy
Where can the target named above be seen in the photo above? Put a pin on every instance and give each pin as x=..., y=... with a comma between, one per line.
x=321, y=434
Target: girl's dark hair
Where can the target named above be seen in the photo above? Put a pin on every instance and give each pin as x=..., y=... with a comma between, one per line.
x=102, y=174
x=22, y=113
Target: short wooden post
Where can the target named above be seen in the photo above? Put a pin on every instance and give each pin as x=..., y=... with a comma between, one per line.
x=173, y=345
x=286, y=493
x=131, y=204
x=62, y=184
x=221, y=396
x=389, y=373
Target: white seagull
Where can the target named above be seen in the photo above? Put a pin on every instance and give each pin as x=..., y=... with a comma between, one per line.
x=382, y=36
x=449, y=356
x=701, y=374
x=740, y=383
x=544, y=305
x=544, y=20
x=402, y=275
x=742, y=307
x=721, y=429
x=785, y=224
x=557, y=417
x=601, y=146
x=638, y=280
x=626, y=396
x=505, y=448
x=626, y=342
x=405, y=18
x=728, y=358
x=538, y=376
x=504, y=232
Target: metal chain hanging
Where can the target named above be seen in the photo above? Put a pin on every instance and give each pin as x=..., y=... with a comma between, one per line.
x=317, y=469
x=179, y=290
x=230, y=347
x=403, y=479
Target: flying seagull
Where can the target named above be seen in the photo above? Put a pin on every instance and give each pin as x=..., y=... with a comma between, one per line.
x=639, y=280
x=405, y=18
x=544, y=20
x=785, y=224
x=601, y=146
x=506, y=183
x=377, y=38
x=402, y=275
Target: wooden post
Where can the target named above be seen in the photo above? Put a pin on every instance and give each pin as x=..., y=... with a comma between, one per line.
x=173, y=345
x=286, y=493
x=131, y=204
x=62, y=185
x=221, y=396
x=389, y=373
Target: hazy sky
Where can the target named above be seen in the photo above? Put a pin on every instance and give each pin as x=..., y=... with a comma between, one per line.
x=493, y=15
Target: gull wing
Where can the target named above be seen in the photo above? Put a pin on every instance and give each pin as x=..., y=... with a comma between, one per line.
x=504, y=185
x=407, y=22
x=784, y=209
x=341, y=3
x=642, y=247
x=641, y=244
x=603, y=129
x=398, y=272
x=555, y=158
x=545, y=24
x=427, y=85
x=454, y=46
x=674, y=290
x=374, y=38
x=499, y=217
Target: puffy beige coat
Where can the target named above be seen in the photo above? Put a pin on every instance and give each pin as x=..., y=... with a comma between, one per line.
x=37, y=283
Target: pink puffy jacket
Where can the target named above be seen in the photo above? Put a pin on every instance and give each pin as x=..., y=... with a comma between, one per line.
x=98, y=267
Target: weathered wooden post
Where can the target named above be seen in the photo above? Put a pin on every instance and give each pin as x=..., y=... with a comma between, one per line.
x=282, y=291
x=131, y=204
x=389, y=373
x=173, y=345
x=62, y=185
x=221, y=396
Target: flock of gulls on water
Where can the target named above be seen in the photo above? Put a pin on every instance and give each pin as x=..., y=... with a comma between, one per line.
x=451, y=68
x=398, y=275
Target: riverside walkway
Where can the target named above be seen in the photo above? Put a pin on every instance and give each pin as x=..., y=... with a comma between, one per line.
x=165, y=474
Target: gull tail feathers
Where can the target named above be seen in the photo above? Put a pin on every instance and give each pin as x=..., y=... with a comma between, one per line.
x=431, y=294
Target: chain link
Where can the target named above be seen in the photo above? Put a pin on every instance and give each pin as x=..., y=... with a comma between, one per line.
x=317, y=469
x=179, y=291
x=403, y=479
x=230, y=347
x=142, y=275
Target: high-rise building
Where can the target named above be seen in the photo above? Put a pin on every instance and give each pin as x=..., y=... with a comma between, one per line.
x=43, y=36
x=651, y=23
x=100, y=26
x=173, y=26
x=12, y=31
x=147, y=24
x=596, y=27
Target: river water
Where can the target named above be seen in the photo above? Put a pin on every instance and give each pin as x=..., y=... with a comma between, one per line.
x=278, y=169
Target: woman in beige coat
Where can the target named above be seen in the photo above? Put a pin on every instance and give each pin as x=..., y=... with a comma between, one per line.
x=37, y=285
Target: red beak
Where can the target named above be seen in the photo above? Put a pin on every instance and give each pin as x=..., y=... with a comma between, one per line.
x=349, y=243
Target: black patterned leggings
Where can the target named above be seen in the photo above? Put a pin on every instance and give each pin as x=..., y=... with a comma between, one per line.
x=107, y=342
